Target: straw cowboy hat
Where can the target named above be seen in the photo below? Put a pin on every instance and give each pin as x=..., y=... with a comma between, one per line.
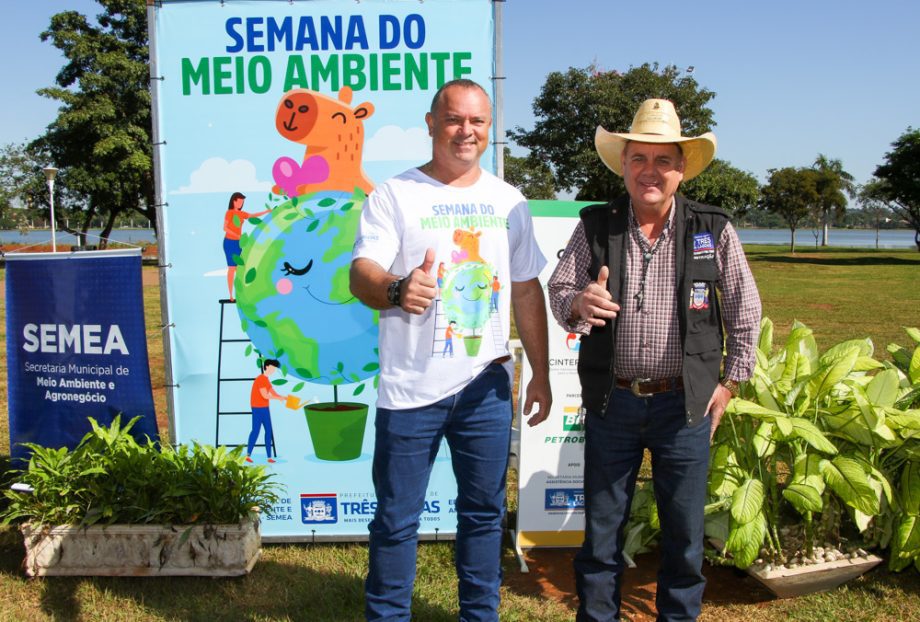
x=656, y=122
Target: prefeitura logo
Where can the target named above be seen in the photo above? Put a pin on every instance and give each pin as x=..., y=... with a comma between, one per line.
x=318, y=509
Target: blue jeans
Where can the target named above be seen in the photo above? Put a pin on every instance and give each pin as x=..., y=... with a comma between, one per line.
x=680, y=462
x=261, y=418
x=477, y=425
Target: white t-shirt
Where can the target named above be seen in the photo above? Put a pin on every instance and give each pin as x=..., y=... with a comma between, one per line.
x=483, y=241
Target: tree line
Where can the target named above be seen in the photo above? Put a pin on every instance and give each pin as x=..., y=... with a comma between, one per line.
x=562, y=157
x=101, y=143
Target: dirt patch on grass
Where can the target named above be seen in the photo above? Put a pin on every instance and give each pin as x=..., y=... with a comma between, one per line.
x=551, y=576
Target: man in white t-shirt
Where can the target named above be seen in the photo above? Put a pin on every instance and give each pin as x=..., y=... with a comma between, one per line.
x=448, y=211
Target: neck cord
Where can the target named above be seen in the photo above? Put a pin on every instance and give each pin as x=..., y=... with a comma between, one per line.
x=647, y=254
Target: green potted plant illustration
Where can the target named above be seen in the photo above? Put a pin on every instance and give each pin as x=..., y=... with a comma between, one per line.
x=294, y=304
x=113, y=506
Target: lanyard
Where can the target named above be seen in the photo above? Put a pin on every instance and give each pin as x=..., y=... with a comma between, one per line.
x=647, y=254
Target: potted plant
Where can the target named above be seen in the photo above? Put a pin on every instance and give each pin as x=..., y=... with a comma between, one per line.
x=113, y=506
x=788, y=490
x=820, y=451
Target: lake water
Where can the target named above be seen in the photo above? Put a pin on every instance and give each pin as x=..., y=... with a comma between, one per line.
x=134, y=237
x=853, y=238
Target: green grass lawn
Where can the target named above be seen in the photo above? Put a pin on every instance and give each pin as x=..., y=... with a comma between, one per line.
x=839, y=293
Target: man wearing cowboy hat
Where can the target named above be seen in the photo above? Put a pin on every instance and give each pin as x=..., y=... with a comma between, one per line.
x=639, y=280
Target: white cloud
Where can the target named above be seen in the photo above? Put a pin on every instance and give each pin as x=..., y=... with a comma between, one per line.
x=392, y=142
x=219, y=175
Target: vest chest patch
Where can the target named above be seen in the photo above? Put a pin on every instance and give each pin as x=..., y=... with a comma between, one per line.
x=699, y=296
x=703, y=246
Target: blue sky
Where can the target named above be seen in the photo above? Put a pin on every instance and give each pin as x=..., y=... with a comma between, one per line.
x=793, y=79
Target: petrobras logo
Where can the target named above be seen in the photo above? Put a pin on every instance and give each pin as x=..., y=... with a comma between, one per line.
x=573, y=342
x=564, y=499
x=572, y=419
x=318, y=509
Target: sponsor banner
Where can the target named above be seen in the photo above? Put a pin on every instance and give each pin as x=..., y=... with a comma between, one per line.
x=551, y=461
x=274, y=119
x=76, y=346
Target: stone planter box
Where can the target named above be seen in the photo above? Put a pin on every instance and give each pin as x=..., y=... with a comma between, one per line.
x=142, y=550
x=792, y=582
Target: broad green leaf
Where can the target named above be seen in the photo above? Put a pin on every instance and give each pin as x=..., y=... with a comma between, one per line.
x=913, y=333
x=745, y=407
x=717, y=526
x=896, y=561
x=784, y=425
x=910, y=487
x=883, y=390
x=877, y=479
x=802, y=341
x=849, y=426
x=744, y=541
x=862, y=521
x=827, y=376
x=764, y=445
x=633, y=544
x=762, y=391
x=867, y=363
x=913, y=370
x=849, y=481
x=765, y=341
x=790, y=372
x=747, y=501
x=724, y=482
x=900, y=355
x=908, y=536
x=653, y=519
x=807, y=471
x=803, y=498
x=865, y=419
x=906, y=419
x=808, y=432
x=842, y=349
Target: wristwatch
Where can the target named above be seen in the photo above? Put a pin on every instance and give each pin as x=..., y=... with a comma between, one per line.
x=394, y=289
x=731, y=385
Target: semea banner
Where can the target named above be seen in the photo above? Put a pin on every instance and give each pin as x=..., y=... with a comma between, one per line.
x=76, y=346
x=273, y=121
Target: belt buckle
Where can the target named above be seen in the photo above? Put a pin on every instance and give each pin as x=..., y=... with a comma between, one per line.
x=634, y=387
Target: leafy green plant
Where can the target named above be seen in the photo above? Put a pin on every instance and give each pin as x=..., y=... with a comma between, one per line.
x=908, y=362
x=111, y=478
x=816, y=446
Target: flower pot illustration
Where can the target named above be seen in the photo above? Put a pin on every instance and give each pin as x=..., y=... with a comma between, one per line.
x=336, y=429
x=471, y=344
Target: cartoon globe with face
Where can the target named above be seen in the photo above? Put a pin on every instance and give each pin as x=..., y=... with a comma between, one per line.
x=292, y=290
x=466, y=294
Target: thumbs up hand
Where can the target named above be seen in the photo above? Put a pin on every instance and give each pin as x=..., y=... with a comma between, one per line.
x=419, y=288
x=594, y=304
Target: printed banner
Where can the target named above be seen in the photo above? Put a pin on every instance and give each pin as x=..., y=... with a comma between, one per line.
x=551, y=501
x=75, y=346
x=274, y=120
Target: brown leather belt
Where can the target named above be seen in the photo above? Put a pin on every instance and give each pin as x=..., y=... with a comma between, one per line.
x=645, y=387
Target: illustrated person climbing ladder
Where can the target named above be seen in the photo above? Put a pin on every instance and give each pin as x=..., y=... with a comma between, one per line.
x=233, y=229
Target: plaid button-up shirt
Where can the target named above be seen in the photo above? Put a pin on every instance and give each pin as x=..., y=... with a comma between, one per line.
x=648, y=341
